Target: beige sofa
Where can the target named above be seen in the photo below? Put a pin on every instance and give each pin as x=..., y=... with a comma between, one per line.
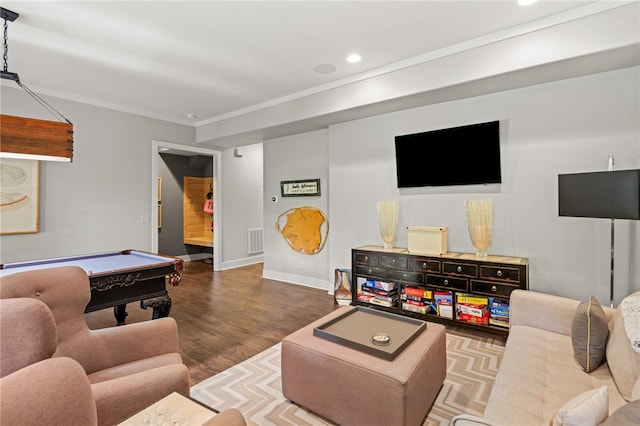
x=539, y=376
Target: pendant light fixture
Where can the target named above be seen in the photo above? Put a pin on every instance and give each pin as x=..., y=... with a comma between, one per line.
x=30, y=138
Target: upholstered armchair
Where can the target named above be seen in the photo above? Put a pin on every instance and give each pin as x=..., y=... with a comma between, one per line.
x=34, y=388
x=129, y=367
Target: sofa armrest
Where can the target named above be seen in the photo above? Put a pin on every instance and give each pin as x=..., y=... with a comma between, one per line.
x=469, y=420
x=543, y=311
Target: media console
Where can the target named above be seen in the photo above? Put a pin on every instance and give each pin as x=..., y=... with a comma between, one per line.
x=452, y=286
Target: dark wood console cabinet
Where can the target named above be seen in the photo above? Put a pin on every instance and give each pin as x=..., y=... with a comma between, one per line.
x=492, y=277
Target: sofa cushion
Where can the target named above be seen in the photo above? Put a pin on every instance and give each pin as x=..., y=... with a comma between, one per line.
x=623, y=361
x=539, y=368
x=627, y=415
x=589, y=331
x=587, y=409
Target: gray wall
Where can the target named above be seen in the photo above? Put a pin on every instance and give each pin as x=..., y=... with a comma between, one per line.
x=303, y=156
x=95, y=203
x=241, y=204
x=172, y=169
x=561, y=127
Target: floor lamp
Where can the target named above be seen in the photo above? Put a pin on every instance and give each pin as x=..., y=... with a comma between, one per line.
x=609, y=195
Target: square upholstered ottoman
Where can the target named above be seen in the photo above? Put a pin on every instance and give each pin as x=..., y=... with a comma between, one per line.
x=351, y=387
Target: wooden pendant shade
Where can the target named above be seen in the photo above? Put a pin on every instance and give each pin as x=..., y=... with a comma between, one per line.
x=22, y=137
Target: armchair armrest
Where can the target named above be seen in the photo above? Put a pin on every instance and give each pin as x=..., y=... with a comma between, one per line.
x=54, y=392
x=108, y=347
x=228, y=417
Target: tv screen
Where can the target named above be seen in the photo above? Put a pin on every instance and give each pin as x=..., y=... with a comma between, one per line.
x=464, y=155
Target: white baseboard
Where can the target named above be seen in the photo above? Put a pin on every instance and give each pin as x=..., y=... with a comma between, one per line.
x=297, y=279
x=241, y=262
x=195, y=256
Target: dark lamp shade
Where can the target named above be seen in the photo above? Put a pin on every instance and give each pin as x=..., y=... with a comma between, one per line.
x=609, y=195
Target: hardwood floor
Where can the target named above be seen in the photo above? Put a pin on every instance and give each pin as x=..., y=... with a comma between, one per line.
x=228, y=316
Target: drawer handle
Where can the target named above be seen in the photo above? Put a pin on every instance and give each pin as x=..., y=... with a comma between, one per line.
x=494, y=288
x=404, y=275
x=393, y=261
x=446, y=282
x=459, y=269
x=499, y=273
x=424, y=265
x=369, y=271
x=366, y=258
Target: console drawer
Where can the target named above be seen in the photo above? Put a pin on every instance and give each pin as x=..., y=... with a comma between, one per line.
x=448, y=282
x=425, y=265
x=410, y=277
x=492, y=289
x=366, y=258
x=500, y=273
x=371, y=272
x=460, y=269
x=399, y=262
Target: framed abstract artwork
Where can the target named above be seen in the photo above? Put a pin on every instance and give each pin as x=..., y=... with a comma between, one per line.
x=19, y=196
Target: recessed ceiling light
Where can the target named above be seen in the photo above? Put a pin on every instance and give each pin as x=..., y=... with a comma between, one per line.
x=354, y=58
x=526, y=2
x=324, y=68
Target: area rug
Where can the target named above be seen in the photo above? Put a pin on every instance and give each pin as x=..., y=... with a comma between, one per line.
x=254, y=387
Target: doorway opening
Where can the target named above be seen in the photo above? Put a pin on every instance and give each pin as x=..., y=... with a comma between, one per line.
x=192, y=155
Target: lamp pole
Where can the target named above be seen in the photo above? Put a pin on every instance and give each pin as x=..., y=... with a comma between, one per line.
x=612, y=167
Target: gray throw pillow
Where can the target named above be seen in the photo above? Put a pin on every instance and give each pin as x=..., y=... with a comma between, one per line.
x=627, y=415
x=589, y=333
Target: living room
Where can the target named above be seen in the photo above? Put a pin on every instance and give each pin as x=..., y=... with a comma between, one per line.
x=567, y=123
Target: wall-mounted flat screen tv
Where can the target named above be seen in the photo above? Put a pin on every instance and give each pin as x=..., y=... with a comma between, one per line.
x=464, y=155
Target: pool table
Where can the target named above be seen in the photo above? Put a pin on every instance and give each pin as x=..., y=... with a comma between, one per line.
x=117, y=278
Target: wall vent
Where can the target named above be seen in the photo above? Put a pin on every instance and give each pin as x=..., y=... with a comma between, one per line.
x=255, y=240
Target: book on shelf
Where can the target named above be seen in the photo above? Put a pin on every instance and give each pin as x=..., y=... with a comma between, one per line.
x=381, y=293
x=473, y=319
x=499, y=321
x=417, y=292
x=368, y=298
x=499, y=308
x=420, y=307
x=472, y=300
x=473, y=310
x=444, y=303
x=417, y=299
x=443, y=296
x=445, y=310
x=380, y=285
x=389, y=298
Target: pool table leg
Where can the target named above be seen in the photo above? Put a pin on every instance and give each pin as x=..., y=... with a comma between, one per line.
x=161, y=306
x=120, y=312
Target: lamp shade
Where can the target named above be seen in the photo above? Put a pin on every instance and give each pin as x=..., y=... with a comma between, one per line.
x=30, y=138
x=609, y=195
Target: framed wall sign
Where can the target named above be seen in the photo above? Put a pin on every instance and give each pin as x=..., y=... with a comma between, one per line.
x=20, y=196
x=300, y=188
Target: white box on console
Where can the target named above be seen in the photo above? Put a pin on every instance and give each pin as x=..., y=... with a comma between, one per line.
x=427, y=239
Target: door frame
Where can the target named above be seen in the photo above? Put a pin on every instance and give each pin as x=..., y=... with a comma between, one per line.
x=156, y=148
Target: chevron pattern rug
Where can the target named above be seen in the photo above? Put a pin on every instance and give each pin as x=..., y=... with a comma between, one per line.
x=254, y=388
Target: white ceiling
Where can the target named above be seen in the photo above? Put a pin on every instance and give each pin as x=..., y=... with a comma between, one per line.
x=212, y=59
